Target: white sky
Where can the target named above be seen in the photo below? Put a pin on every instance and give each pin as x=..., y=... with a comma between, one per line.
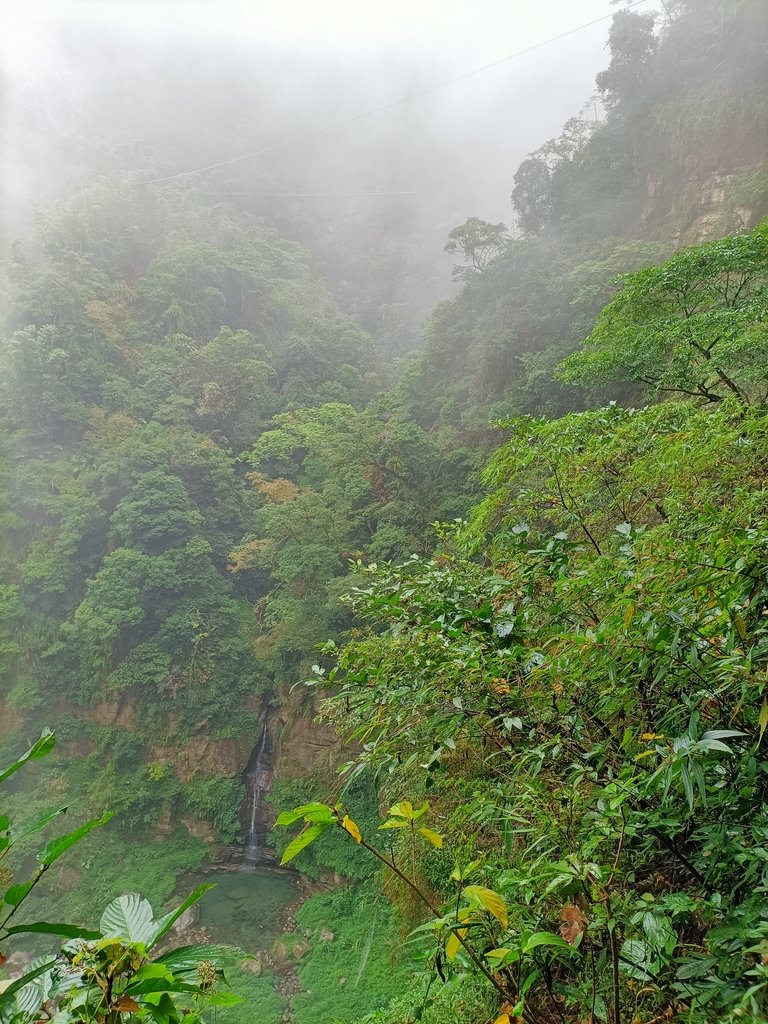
x=320, y=61
x=483, y=30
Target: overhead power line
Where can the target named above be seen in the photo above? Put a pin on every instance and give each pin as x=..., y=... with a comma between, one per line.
x=338, y=195
x=390, y=106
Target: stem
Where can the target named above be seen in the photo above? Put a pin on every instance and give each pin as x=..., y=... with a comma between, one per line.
x=614, y=966
x=41, y=871
x=433, y=909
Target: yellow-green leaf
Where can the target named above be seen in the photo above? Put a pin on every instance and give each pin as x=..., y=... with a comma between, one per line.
x=452, y=945
x=402, y=810
x=629, y=614
x=740, y=626
x=349, y=826
x=763, y=719
x=503, y=1019
x=490, y=901
x=497, y=954
x=432, y=837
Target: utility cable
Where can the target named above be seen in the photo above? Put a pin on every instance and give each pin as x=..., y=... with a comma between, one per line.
x=335, y=195
x=390, y=106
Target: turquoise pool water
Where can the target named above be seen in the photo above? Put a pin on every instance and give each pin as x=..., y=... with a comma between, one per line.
x=246, y=907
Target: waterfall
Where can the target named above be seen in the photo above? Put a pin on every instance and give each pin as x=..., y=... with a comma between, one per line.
x=258, y=781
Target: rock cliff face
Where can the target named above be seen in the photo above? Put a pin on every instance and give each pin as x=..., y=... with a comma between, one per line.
x=704, y=203
x=302, y=743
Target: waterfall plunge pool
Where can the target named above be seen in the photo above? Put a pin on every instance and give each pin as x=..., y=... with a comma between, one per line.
x=246, y=908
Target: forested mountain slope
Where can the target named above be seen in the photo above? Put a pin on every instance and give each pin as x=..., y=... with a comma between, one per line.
x=679, y=156
x=197, y=445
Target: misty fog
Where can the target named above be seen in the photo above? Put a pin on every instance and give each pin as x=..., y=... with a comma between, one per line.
x=151, y=89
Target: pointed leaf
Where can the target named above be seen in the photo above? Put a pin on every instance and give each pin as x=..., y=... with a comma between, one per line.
x=432, y=837
x=349, y=826
x=453, y=943
x=186, y=958
x=288, y=817
x=165, y=923
x=402, y=810
x=43, y=746
x=490, y=901
x=57, y=847
x=7, y=993
x=545, y=939
x=69, y=931
x=28, y=830
x=763, y=719
x=303, y=840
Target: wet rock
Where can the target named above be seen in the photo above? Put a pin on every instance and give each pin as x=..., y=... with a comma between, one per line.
x=300, y=949
x=253, y=964
x=279, y=953
x=18, y=963
x=188, y=920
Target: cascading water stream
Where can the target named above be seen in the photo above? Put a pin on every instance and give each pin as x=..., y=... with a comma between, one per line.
x=258, y=781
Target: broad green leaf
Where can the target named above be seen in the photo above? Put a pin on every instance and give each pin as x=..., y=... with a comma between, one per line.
x=153, y=970
x=14, y=896
x=395, y=823
x=130, y=919
x=489, y=900
x=633, y=959
x=152, y=985
x=288, y=817
x=186, y=958
x=57, y=847
x=223, y=999
x=303, y=840
x=502, y=956
x=545, y=939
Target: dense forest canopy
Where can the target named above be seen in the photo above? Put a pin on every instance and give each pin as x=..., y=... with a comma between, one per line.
x=473, y=615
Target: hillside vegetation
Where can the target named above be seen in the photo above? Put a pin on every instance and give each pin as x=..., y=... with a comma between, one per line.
x=523, y=569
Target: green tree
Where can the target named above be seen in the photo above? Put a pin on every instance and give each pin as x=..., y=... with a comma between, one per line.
x=695, y=325
x=478, y=242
